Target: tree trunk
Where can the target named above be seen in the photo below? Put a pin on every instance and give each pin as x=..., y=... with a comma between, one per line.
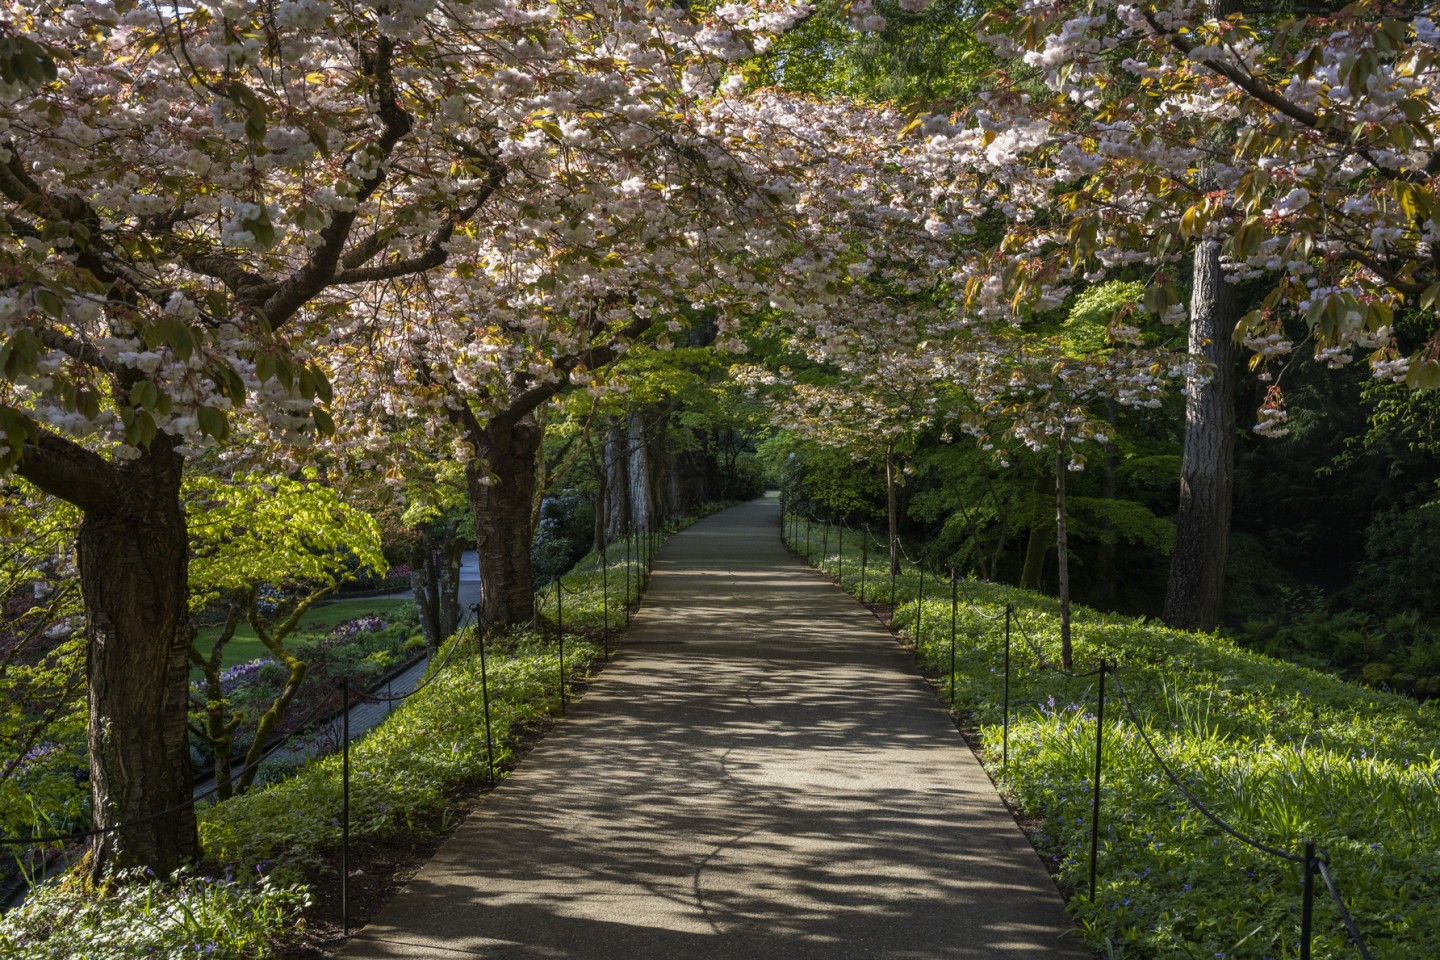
x=1041, y=518
x=1105, y=554
x=425, y=588
x=1062, y=553
x=617, y=484
x=451, y=554
x=501, y=480
x=1195, y=595
x=133, y=572
x=642, y=496
x=220, y=727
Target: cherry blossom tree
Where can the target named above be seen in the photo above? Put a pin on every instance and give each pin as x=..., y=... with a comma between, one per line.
x=876, y=392
x=194, y=196
x=733, y=210
x=1295, y=154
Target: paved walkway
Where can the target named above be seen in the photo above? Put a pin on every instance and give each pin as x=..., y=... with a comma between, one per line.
x=760, y=775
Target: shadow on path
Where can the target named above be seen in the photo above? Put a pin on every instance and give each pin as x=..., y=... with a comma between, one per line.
x=760, y=775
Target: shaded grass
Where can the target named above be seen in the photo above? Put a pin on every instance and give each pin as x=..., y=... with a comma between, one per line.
x=1284, y=753
x=407, y=773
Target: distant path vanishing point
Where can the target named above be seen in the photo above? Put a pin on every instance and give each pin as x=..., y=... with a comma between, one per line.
x=760, y=775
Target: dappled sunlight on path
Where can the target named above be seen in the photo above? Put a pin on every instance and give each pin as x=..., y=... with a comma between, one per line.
x=761, y=774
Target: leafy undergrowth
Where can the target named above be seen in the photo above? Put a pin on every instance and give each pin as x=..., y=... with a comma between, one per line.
x=404, y=774
x=139, y=916
x=411, y=777
x=1283, y=753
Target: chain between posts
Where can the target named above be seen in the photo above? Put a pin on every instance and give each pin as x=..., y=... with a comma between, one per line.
x=1312, y=863
x=300, y=728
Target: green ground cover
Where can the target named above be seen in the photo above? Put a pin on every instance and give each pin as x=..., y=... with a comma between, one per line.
x=263, y=848
x=245, y=646
x=1284, y=753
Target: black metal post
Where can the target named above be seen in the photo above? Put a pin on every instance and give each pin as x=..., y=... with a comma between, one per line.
x=840, y=552
x=560, y=636
x=824, y=545
x=627, y=575
x=920, y=609
x=345, y=806
x=605, y=597
x=864, y=561
x=485, y=701
x=1005, y=725
x=1095, y=797
x=1307, y=900
x=954, y=601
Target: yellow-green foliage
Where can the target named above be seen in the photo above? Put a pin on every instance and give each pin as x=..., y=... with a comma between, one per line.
x=246, y=531
x=42, y=673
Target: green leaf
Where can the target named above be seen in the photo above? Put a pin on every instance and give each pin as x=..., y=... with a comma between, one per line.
x=1423, y=375
x=213, y=423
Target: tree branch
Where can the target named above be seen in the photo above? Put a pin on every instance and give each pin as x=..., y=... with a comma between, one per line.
x=319, y=270
x=64, y=469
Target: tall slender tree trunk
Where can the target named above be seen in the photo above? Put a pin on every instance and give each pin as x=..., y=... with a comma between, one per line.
x=425, y=588
x=642, y=492
x=1195, y=595
x=1062, y=553
x=435, y=584
x=617, y=483
x=133, y=561
x=452, y=555
x=501, y=481
x=1038, y=545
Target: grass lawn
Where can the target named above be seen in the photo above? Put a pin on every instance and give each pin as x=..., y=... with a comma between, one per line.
x=246, y=646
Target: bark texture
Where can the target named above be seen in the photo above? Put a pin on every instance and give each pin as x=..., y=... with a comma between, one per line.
x=501, y=481
x=1195, y=594
x=133, y=559
x=617, y=481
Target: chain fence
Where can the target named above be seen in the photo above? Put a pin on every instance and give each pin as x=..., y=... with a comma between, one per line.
x=1312, y=863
